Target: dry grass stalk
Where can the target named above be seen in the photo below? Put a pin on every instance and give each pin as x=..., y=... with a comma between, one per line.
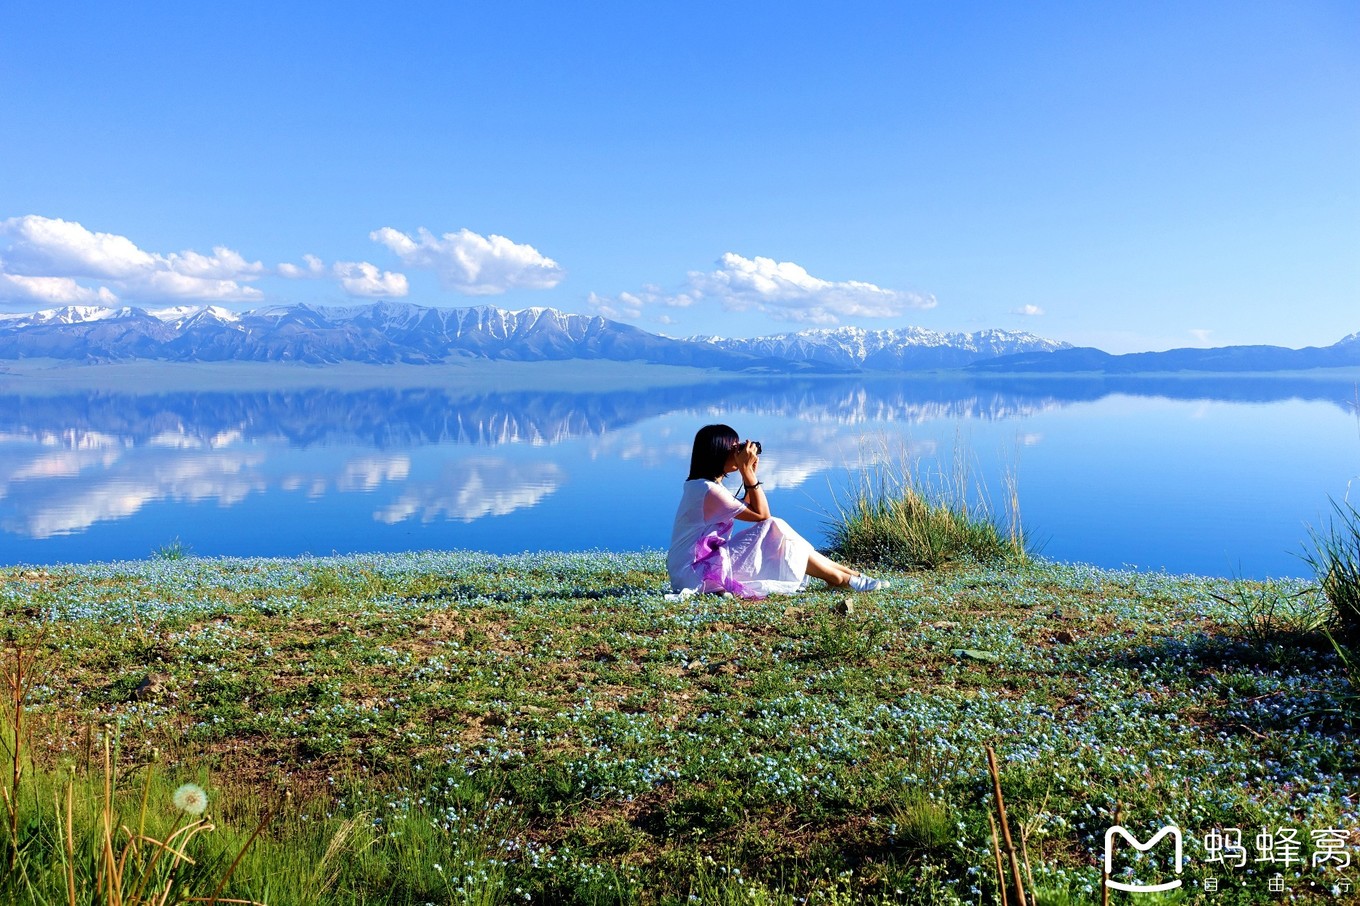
x=996, y=851
x=1011, y=854
x=1029, y=873
x=70, y=844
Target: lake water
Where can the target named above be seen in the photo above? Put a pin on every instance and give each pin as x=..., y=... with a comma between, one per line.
x=1220, y=477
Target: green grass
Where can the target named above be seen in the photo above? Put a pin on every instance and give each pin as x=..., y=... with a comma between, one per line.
x=899, y=517
x=1271, y=614
x=1335, y=559
x=175, y=549
x=908, y=531
x=473, y=729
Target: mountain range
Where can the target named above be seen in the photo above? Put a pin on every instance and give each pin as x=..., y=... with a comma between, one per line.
x=1221, y=359
x=903, y=349
x=388, y=333
x=381, y=333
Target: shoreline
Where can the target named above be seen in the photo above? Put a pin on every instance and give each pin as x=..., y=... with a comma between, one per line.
x=188, y=558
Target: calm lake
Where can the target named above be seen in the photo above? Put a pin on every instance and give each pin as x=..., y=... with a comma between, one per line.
x=1213, y=476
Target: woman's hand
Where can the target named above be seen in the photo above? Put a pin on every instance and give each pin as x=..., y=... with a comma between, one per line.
x=747, y=457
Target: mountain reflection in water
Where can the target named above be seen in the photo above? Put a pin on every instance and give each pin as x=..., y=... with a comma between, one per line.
x=107, y=475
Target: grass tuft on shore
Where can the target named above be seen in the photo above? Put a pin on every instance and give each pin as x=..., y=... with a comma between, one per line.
x=1335, y=559
x=902, y=517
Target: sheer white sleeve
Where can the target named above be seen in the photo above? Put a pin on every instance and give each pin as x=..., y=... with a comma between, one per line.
x=720, y=505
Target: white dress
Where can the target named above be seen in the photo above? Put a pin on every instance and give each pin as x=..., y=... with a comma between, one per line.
x=767, y=558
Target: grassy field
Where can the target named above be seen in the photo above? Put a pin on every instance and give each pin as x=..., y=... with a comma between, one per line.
x=463, y=728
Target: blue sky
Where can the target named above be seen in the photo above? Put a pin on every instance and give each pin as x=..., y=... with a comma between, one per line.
x=1127, y=175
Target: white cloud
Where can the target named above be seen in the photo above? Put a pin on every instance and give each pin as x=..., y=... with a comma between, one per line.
x=49, y=261
x=222, y=264
x=473, y=264
x=41, y=259
x=359, y=278
x=1028, y=311
x=52, y=291
x=786, y=291
x=171, y=285
x=312, y=267
x=780, y=289
x=623, y=307
x=44, y=246
x=1201, y=335
x=630, y=306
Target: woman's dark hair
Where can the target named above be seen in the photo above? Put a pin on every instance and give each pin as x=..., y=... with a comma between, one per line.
x=712, y=445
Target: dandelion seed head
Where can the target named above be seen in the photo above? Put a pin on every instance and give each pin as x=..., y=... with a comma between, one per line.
x=191, y=799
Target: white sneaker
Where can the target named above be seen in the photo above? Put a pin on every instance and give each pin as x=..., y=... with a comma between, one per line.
x=865, y=583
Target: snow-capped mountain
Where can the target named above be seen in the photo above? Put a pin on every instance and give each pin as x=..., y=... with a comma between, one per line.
x=182, y=315
x=70, y=314
x=903, y=349
x=380, y=333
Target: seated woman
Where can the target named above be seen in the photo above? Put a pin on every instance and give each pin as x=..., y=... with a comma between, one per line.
x=768, y=558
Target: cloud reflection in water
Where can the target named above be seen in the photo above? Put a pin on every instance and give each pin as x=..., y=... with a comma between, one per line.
x=474, y=488
x=127, y=484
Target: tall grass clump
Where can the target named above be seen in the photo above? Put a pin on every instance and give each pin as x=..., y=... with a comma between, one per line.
x=1269, y=612
x=905, y=518
x=174, y=549
x=1335, y=559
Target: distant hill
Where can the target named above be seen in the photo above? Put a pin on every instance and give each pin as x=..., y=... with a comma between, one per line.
x=1223, y=359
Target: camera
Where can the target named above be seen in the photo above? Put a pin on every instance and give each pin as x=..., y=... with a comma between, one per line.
x=759, y=448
